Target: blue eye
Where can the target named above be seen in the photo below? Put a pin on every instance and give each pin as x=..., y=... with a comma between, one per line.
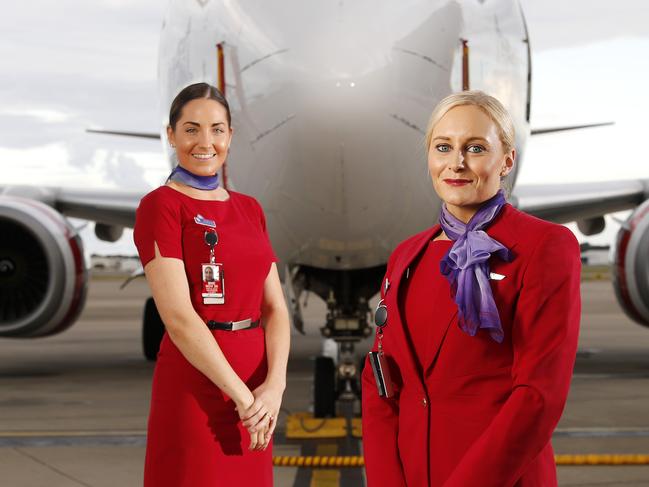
x=443, y=148
x=475, y=149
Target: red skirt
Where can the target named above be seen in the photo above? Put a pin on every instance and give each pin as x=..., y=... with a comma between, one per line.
x=194, y=434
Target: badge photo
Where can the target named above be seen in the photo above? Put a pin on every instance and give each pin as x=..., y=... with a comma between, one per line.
x=213, y=284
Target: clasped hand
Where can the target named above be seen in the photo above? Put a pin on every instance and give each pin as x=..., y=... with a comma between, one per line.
x=260, y=418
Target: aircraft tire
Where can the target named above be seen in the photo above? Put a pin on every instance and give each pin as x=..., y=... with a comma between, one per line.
x=152, y=330
x=324, y=388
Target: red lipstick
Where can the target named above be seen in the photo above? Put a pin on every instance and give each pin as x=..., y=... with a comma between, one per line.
x=457, y=182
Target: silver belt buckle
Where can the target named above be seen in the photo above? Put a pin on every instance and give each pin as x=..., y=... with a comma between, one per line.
x=241, y=325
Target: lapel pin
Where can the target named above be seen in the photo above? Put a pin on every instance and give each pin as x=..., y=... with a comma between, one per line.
x=201, y=220
x=496, y=277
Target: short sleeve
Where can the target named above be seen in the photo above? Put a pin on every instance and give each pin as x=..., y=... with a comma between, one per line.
x=262, y=219
x=157, y=220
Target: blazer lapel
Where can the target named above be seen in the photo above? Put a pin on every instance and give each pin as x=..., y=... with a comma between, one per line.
x=399, y=274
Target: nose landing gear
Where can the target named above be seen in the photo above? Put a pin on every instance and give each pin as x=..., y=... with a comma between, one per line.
x=337, y=379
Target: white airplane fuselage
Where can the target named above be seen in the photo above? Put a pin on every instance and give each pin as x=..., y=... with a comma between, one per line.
x=330, y=102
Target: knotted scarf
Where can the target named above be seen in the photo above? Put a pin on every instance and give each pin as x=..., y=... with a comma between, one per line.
x=466, y=267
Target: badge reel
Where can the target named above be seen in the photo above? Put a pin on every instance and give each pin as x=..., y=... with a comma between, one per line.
x=378, y=359
x=212, y=274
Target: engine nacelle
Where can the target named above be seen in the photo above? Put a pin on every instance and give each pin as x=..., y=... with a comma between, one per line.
x=43, y=277
x=631, y=265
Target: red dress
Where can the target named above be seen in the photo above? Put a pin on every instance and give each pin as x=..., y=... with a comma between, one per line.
x=194, y=434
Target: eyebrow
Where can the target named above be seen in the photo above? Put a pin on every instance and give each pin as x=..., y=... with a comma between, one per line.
x=196, y=124
x=479, y=138
x=443, y=137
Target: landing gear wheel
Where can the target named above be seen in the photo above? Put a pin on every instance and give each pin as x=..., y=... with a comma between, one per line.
x=324, y=388
x=152, y=330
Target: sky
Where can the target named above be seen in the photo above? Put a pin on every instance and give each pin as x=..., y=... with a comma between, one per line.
x=73, y=64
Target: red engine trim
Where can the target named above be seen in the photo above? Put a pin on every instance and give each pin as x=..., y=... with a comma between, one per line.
x=621, y=277
x=76, y=305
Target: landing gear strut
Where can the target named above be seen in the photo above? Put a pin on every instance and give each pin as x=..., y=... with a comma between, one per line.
x=347, y=293
x=342, y=383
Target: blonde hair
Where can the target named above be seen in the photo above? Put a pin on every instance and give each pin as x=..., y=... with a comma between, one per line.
x=488, y=104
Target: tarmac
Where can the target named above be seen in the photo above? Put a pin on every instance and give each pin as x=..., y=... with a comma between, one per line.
x=73, y=407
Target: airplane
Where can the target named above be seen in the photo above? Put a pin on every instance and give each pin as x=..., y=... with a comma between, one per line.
x=329, y=101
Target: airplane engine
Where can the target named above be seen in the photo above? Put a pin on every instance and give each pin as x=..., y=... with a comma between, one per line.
x=43, y=275
x=631, y=265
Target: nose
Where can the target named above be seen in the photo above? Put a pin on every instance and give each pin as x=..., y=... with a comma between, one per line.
x=457, y=164
x=205, y=139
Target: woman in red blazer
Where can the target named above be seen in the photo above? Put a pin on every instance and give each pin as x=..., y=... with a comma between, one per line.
x=482, y=324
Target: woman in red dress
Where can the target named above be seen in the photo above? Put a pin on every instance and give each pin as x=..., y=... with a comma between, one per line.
x=221, y=369
x=482, y=324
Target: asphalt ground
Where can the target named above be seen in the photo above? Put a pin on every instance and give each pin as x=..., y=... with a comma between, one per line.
x=73, y=407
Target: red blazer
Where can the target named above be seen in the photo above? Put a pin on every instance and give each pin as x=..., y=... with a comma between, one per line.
x=482, y=414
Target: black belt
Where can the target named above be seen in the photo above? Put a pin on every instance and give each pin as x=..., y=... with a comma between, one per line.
x=232, y=325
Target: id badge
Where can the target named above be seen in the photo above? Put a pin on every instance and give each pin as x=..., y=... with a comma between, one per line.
x=213, y=284
x=381, y=374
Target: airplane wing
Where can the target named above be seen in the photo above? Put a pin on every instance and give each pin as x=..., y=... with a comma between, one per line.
x=564, y=203
x=560, y=203
x=110, y=207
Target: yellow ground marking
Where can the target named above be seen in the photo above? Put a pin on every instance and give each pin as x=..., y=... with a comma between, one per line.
x=329, y=477
x=305, y=426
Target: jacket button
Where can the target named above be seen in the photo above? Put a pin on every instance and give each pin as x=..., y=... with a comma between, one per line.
x=424, y=402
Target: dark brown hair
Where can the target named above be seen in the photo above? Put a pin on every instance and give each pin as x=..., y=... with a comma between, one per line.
x=194, y=92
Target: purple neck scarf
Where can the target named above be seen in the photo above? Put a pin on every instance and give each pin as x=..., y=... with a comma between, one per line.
x=466, y=267
x=182, y=175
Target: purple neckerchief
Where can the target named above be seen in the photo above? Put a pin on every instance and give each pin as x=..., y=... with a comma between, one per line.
x=466, y=267
x=182, y=175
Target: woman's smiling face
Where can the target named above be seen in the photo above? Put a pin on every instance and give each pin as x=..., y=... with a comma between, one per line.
x=466, y=159
x=201, y=136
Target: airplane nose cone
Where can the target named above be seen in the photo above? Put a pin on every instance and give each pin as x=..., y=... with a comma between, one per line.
x=339, y=145
x=338, y=157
